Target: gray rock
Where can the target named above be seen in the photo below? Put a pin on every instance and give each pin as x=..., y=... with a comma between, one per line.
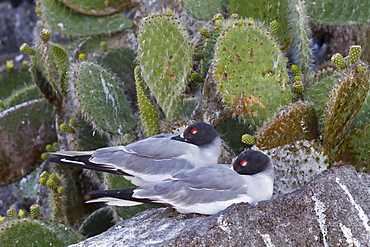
x=331, y=210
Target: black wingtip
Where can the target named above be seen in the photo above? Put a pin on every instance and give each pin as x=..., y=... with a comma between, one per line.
x=83, y=161
x=124, y=194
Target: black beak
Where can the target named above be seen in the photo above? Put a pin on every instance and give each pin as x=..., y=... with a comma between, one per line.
x=178, y=138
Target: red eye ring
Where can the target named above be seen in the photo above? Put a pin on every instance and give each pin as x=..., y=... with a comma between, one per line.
x=193, y=131
x=242, y=162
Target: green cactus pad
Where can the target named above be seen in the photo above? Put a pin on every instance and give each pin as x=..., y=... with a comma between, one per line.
x=266, y=12
x=354, y=54
x=101, y=99
x=209, y=51
x=338, y=60
x=295, y=122
x=11, y=81
x=319, y=94
x=69, y=22
x=165, y=57
x=97, y=222
x=61, y=58
x=87, y=139
x=26, y=232
x=148, y=114
x=98, y=7
x=204, y=9
x=252, y=83
x=24, y=131
x=346, y=99
x=23, y=95
x=355, y=149
x=325, y=12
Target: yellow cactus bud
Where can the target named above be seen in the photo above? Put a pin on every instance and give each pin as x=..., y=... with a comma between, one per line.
x=25, y=48
x=35, y=211
x=248, y=139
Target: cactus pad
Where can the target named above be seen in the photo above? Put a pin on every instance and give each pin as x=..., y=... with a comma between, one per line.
x=325, y=12
x=24, y=131
x=101, y=99
x=355, y=149
x=97, y=7
x=165, y=57
x=346, y=99
x=69, y=22
x=204, y=9
x=267, y=12
x=251, y=82
x=295, y=122
x=26, y=232
x=148, y=114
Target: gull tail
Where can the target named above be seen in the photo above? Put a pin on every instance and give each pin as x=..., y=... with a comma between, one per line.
x=83, y=161
x=122, y=197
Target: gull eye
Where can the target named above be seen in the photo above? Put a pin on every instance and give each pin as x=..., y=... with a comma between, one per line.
x=243, y=163
x=194, y=131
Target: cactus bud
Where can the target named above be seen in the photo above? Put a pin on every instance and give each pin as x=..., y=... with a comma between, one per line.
x=45, y=156
x=25, y=48
x=81, y=56
x=66, y=128
x=45, y=35
x=9, y=65
x=22, y=213
x=274, y=27
x=55, y=146
x=248, y=139
x=35, y=211
x=298, y=86
x=354, y=54
x=12, y=213
x=218, y=16
x=56, y=179
x=296, y=71
x=44, y=176
x=338, y=60
x=104, y=46
x=169, y=12
x=205, y=32
x=51, y=184
x=73, y=122
x=61, y=190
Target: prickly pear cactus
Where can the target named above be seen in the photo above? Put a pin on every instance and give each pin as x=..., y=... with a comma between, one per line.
x=355, y=148
x=27, y=232
x=296, y=164
x=295, y=122
x=165, y=57
x=267, y=12
x=66, y=21
x=24, y=131
x=23, y=95
x=97, y=7
x=11, y=81
x=325, y=12
x=148, y=114
x=252, y=84
x=101, y=100
x=204, y=9
x=346, y=99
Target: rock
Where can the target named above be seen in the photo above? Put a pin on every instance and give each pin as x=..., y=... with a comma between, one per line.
x=332, y=210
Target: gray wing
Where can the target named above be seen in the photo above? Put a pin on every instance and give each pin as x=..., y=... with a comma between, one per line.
x=154, y=155
x=201, y=185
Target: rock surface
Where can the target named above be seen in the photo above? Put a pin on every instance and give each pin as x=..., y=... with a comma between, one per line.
x=331, y=210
